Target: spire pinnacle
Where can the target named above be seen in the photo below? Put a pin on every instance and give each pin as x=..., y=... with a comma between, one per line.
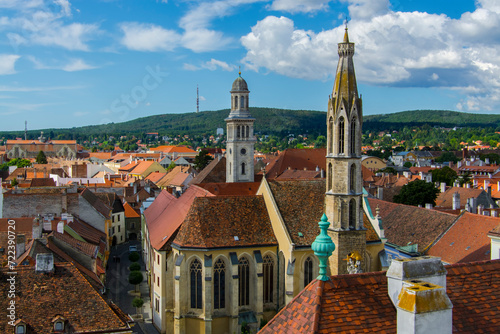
x=346, y=35
x=239, y=71
x=323, y=247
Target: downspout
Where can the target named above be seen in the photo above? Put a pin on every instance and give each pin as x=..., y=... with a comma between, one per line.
x=278, y=299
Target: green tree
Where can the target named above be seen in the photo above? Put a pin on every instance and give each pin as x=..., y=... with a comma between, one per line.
x=202, y=160
x=134, y=266
x=171, y=166
x=493, y=157
x=320, y=142
x=14, y=182
x=137, y=303
x=407, y=164
x=135, y=278
x=417, y=192
x=41, y=158
x=445, y=174
x=134, y=256
x=447, y=156
x=389, y=170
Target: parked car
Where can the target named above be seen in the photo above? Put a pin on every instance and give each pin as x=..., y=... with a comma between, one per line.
x=132, y=248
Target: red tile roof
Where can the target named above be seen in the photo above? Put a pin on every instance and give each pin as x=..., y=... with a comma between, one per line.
x=360, y=303
x=445, y=200
x=297, y=159
x=41, y=297
x=87, y=232
x=166, y=214
x=226, y=221
x=406, y=224
x=86, y=248
x=294, y=174
x=231, y=189
x=93, y=200
x=467, y=240
x=214, y=172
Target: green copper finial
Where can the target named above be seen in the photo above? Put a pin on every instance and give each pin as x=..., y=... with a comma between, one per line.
x=323, y=247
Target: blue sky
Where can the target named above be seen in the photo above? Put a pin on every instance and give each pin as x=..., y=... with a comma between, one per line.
x=71, y=63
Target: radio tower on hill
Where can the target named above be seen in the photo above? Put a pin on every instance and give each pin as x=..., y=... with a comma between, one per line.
x=197, y=99
x=25, y=130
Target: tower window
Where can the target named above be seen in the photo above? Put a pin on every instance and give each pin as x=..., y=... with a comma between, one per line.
x=219, y=284
x=330, y=135
x=244, y=282
x=341, y=135
x=308, y=271
x=196, y=284
x=248, y=131
x=235, y=102
x=352, y=178
x=238, y=132
x=242, y=102
x=353, y=136
x=330, y=177
x=243, y=169
x=352, y=214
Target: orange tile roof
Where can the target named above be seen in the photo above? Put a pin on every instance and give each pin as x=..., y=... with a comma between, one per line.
x=37, y=142
x=294, y=174
x=467, y=240
x=172, y=149
x=130, y=212
x=360, y=303
x=101, y=155
x=155, y=176
x=40, y=298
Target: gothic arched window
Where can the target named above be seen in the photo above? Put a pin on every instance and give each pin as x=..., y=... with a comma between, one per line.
x=353, y=136
x=196, y=284
x=330, y=135
x=308, y=271
x=244, y=282
x=352, y=178
x=219, y=284
x=243, y=168
x=268, y=269
x=352, y=214
x=341, y=135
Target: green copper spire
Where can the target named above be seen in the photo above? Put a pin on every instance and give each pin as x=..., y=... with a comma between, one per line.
x=323, y=247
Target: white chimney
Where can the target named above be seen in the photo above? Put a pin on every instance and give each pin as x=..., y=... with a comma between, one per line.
x=407, y=174
x=20, y=245
x=60, y=227
x=456, y=201
x=459, y=164
x=480, y=209
x=494, y=213
x=44, y=263
x=424, y=308
x=380, y=193
x=487, y=161
x=428, y=206
x=425, y=268
x=36, y=231
x=443, y=187
x=467, y=185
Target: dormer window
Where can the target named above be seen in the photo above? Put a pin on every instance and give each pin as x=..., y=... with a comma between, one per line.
x=20, y=329
x=59, y=326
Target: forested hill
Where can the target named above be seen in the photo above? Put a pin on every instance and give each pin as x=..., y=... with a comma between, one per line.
x=441, y=118
x=269, y=121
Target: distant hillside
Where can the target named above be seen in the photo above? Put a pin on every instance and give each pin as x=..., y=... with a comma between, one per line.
x=441, y=118
x=270, y=121
x=267, y=121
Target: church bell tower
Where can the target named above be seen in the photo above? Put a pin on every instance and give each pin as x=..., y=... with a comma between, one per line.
x=240, y=138
x=344, y=182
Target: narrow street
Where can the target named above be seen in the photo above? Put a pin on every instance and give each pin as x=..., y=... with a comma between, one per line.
x=118, y=287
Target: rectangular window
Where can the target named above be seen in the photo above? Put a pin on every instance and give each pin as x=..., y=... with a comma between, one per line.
x=113, y=230
x=158, y=258
x=158, y=281
x=157, y=305
x=133, y=225
x=118, y=228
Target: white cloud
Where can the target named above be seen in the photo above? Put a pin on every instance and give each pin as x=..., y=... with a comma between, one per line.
x=213, y=64
x=190, y=67
x=392, y=48
x=295, y=6
x=80, y=113
x=39, y=23
x=203, y=40
x=148, y=37
x=77, y=65
x=7, y=63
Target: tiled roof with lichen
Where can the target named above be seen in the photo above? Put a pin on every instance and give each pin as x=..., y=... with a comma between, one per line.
x=360, y=303
x=301, y=204
x=226, y=221
x=41, y=297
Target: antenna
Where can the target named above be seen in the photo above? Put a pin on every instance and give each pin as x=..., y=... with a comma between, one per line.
x=25, y=130
x=197, y=99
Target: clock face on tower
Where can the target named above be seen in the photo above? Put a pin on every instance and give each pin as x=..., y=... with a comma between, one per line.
x=243, y=151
